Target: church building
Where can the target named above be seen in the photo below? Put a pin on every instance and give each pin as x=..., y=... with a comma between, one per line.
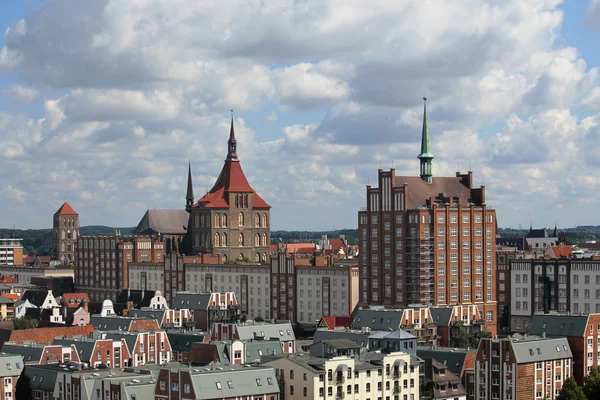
x=230, y=221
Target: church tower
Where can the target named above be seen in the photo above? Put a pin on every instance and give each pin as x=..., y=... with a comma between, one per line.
x=189, y=197
x=426, y=157
x=66, y=231
x=231, y=221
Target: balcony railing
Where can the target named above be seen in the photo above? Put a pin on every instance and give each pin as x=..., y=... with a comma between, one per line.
x=339, y=380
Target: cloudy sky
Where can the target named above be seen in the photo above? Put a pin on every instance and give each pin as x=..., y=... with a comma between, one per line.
x=102, y=102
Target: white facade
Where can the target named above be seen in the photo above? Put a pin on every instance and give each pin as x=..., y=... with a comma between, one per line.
x=7, y=251
x=585, y=287
x=521, y=296
x=24, y=274
x=338, y=378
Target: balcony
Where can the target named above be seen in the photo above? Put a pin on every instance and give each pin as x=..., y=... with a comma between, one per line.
x=340, y=395
x=339, y=380
x=397, y=389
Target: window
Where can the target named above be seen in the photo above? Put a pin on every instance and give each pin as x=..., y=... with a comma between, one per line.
x=453, y=218
x=466, y=232
x=440, y=231
x=441, y=247
x=453, y=232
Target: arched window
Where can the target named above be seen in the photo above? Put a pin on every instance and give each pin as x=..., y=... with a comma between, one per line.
x=489, y=315
x=196, y=220
x=257, y=240
x=197, y=239
x=241, y=239
x=242, y=256
x=264, y=239
x=224, y=258
x=224, y=240
x=217, y=219
x=217, y=240
x=62, y=235
x=224, y=220
x=264, y=220
x=237, y=201
x=256, y=220
x=246, y=200
x=264, y=258
x=62, y=247
x=241, y=219
x=257, y=257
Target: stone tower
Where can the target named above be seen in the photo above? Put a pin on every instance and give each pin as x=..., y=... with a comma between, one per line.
x=66, y=231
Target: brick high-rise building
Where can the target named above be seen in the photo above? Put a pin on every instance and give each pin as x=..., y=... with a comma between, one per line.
x=101, y=269
x=66, y=231
x=231, y=220
x=428, y=240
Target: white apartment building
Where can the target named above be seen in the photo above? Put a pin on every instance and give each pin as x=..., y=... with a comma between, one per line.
x=585, y=287
x=367, y=376
x=11, y=251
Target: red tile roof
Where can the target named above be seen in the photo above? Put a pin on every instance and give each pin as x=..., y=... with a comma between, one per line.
x=77, y=299
x=333, y=322
x=12, y=296
x=562, y=251
x=337, y=243
x=47, y=335
x=231, y=179
x=65, y=209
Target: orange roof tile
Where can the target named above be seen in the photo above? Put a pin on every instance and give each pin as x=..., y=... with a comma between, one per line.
x=12, y=296
x=75, y=297
x=65, y=209
x=47, y=335
x=334, y=321
x=562, y=251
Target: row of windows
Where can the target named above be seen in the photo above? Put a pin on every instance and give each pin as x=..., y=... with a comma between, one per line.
x=221, y=220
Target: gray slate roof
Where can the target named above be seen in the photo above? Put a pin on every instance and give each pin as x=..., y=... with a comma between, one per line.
x=192, y=301
x=281, y=331
x=167, y=222
x=452, y=359
x=543, y=349
x=31, y=352
x=441, y=316
x=112, y=323
x=41, y=378
x=559, y=325
x=377, y=320
x=256, y=350
x=398, y=334
x=11, y=365
x=360, y=338
x=243, y=381
x=150, y=314
x=183, y=341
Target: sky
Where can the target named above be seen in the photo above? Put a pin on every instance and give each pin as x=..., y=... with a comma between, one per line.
x=102, y=103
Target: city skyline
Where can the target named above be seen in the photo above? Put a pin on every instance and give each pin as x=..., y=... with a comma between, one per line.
x=107, y=113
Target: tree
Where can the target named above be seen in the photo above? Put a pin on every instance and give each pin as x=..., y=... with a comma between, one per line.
x=571, y=391
x=591, y=384
x=259, y=319
x=23, y=323
x=23, y=388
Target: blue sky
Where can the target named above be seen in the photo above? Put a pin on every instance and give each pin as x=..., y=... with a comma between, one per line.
x=103, y=102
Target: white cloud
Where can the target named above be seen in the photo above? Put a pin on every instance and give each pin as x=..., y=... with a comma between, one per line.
x=16, y=194
x=130, y=89
x=592, y=13
x=21, y=93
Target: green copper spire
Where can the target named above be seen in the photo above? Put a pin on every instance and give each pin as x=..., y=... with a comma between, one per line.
x=426, y=157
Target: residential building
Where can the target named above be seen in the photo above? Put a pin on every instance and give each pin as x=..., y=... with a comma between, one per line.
x=27, y=274
x=583, y=334
x=166, y=318
x=143, y=346
x=558, y=286
x=455, y=324
x=460, y=362
x=97, y=351
x=428, y=240
x=208, y=308
x=335, y=322
x=369, y=377
x=40, y=298
x=233, y=351
x=66, y=231
x=257, y=331
x=441, y=383
x=522, y=368
x=504, y=256
x=42, y=354
x=121, y=323
x=399, y=340
x=303, y=293
x=74, y=300
x=102, y=262
x=219, y=382
x=181, y=342
x=11, y=367
x=7, y=308
x=231, y=221
x=417, y=321
x=11, y=252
